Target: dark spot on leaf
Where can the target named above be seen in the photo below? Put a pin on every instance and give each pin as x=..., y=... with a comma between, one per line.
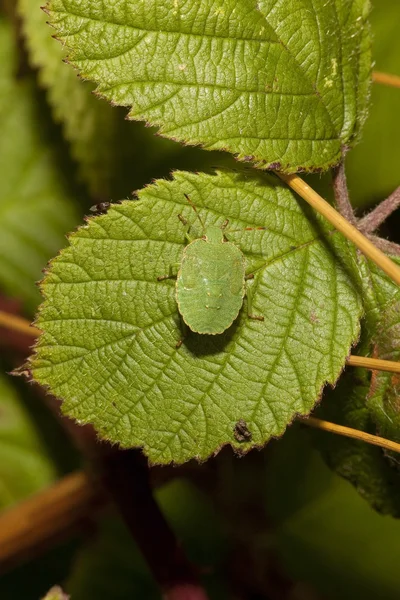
x=101, y=208
x=241, y=431
x=275, y=166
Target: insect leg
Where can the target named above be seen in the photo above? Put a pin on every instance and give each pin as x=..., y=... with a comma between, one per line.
x=196, y=211
x=187, y=225
x=249, y=296
x=185, y=332
x=170, y=275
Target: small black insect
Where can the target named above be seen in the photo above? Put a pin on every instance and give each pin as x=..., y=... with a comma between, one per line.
x=101, y=208
x=241, y=431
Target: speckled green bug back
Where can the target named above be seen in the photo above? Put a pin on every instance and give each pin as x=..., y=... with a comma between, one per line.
x=210, y=285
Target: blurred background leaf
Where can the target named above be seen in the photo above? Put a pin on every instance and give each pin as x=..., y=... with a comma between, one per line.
x=110, y=566
x=373, y=165
x=324, y=532
x=25, y=464
x=36, y=210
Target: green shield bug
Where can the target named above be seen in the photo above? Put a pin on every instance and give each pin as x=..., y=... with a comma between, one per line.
x=210, y=285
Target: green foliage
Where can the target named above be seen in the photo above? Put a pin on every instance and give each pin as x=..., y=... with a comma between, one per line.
x=25, y=466
x=369, y=404
x=113, y=155
x=279, y=84
x=35, y=208
x=273, y=83
x=111, y=329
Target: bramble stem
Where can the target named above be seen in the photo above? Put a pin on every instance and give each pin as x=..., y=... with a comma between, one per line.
x=386, y=79
x=341, y=224
x=375, y=440
x=378, y=215
x=342, y=193
x=385, y=245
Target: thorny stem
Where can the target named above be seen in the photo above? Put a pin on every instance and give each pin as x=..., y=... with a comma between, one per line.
x=385, y=245
x=371, y=222
x=342, y=193
x=343, y=225
x=378, y=215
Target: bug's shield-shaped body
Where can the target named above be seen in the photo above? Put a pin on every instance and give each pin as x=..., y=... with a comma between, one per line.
x=211, y=284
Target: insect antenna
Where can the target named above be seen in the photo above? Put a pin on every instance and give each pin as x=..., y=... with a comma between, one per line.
x=195, y=210
x=246, y=229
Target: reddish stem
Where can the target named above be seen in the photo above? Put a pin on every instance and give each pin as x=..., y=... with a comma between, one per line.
x=342, y=193
x=378, y=215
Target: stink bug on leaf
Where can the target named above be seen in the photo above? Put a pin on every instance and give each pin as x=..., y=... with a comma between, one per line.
x=211, y=282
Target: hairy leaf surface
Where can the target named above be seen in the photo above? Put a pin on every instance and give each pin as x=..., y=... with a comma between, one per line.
x=111, y=329
x=282, y=84
x=35, y=208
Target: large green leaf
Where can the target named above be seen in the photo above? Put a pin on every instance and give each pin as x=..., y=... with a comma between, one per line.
x=35, y=208
x=284, y=85
x=24, y=465
x=114, y=156
x=111, y=329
